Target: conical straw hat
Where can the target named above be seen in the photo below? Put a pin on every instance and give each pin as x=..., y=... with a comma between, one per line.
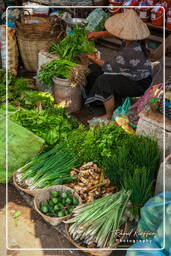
x=127, y=26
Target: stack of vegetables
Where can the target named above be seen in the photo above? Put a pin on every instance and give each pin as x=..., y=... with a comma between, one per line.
x=90, y=184
x=95, y=224
x=66, y=66
x=52, y=124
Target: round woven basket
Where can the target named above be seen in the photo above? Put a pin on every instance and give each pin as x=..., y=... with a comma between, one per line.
x=44, y=195
x=27, y=191
x=90, y=251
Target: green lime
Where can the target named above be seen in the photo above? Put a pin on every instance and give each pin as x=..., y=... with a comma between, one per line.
x=63, y=201
x=55, y=200
x=44, y=209
x=60, y=205
x=61, y=214
x=55, y=194
x=57, y=207
x=51, y=203
x=75, y=201
x=69, y=200
x=64, y=194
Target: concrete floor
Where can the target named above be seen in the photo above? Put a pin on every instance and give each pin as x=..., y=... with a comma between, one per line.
x=30, y=231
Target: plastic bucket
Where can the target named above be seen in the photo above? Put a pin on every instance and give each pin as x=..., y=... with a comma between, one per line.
x=66, y=96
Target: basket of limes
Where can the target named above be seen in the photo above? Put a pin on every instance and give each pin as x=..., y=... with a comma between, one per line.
x=56, y=203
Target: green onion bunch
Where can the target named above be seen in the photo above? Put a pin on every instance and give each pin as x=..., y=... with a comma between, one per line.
x=50, y=168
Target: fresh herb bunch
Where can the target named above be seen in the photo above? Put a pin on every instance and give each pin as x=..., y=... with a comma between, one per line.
x=56, y=68
x=50, y=168
x=73, y=45
x=52, y=124
x=137, y=152
x=140, y=183
x=134, y=167
x=96, y=144
x=96, y=222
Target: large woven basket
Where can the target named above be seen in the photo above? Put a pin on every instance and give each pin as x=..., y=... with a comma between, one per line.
x=27, y=191
x=38, y=26
x=90, y=251
x=29, y=49
x=44, y=195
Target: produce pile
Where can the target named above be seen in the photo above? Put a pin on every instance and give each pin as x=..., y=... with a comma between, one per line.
x=48, y=169
x=93, y=224
x=59, y=204
x=73, y=45
x=51, y=124
x=90, y=183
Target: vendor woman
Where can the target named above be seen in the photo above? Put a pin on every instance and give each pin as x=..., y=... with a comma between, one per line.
x=128, y=73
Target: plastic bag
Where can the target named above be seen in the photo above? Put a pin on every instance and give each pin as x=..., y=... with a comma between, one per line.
x=152, y=220
x=122, y=110
x=22, y=146
x=96, y=20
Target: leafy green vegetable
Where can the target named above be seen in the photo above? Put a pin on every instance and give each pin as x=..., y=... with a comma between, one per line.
x=53, y=124
x=57, y=67
x=73, y=45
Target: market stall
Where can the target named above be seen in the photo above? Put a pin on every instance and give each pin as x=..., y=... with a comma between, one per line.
x=87, y=181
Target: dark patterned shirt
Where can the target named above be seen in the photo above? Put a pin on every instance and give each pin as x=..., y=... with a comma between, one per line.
x=130, y=61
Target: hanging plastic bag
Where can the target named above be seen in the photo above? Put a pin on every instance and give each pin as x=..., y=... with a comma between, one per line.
x=96, y=20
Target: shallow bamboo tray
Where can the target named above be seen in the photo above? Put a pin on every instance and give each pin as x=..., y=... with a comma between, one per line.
x=44, y=195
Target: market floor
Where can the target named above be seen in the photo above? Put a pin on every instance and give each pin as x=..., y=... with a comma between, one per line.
x=30, y=231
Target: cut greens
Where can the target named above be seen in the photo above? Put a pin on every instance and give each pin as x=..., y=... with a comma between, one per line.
x=50, y=168
x=56, y=68
x=73, y=45
x=96, y=222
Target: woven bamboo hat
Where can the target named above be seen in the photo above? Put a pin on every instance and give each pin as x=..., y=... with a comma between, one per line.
x=127, y=26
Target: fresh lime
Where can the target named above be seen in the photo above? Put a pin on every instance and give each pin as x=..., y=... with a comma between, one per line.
x=61, y=214
x=51, y=203
x=55, y=194
x=57, y=207
x=55, y=200
x=69, y=200
x=64, y=194
x=75, y=201
x=44, y=209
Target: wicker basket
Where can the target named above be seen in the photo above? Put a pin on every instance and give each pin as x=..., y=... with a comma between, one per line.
x=27, y=191
x=45, y=194
x=29, y=49
x=90, y=251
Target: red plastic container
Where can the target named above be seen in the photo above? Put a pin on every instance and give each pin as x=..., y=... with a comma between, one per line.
x=168, y=19
x=157, y=16
x=114, y=10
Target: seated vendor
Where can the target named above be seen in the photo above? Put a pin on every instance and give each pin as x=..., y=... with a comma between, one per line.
x=128, y=73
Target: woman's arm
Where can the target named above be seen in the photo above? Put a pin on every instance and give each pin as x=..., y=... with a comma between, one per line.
x=95, y=35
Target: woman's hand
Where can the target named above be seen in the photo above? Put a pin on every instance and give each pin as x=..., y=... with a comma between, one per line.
x=95, y=35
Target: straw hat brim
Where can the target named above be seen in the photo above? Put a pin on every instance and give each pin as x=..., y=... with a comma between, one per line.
x=127, y=26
